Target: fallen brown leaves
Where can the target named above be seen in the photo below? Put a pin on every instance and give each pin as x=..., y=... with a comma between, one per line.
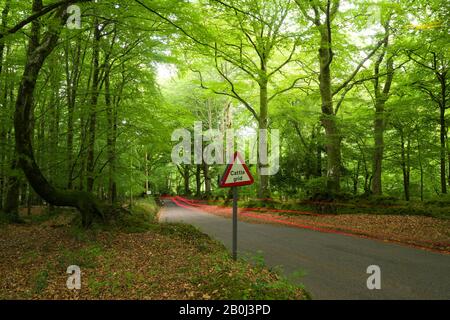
x=151, y=265
x=421, y=231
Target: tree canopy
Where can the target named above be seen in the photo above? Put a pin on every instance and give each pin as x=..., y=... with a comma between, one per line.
x=357, y=90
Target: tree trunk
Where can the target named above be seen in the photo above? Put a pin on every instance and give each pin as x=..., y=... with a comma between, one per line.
x=147, y=182
x=84, y=133
x=443, y=129
x=379, y=127
x=53, y=125
x=405, y=156
x=207, y=180
x=13, y=185
x=419, y=149
x=5, y=13
x=72, y=77
x=29, y=199
x=443, y=158
x=4, y=25
x=318, y=172
x=264, y=189
x=381, y=96
x=111, y=141
x=356, y=178
x=198, y=181
x=328, y=118
x=186, y=178
x=90, y=161
x=378, y=149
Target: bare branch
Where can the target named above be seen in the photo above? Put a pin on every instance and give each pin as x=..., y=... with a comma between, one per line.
x=234, y=94
x=315, y=20
x=291, y=87
x=237, y=9
x=410, y=55
x=289, y=59
x=355, y=72
x=362, y=81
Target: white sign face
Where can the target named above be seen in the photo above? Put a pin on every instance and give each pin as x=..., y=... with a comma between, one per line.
x=237, y=174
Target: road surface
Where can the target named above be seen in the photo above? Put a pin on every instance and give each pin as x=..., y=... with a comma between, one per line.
x=335, y=266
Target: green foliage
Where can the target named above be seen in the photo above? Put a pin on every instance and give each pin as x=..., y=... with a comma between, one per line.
x=344, y=204
x=205, y=61
x=141, y=218
x=3, y=219
x=235, y=281
x=188, y=233
x=39, y=218
x=316, y=186
x=84, y=258
x=40, y=281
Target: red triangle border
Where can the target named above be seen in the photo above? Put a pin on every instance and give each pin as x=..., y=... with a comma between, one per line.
x=237, y=155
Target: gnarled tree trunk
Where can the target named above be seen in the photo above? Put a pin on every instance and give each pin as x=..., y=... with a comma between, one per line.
x=37, y=53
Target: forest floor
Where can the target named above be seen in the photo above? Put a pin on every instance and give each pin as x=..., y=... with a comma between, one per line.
x=419, y=231
x=157, y=261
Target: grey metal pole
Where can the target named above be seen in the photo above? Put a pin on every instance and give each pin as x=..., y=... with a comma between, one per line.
x=235, y=221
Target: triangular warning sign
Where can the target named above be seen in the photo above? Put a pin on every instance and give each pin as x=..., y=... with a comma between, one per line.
x=236, y=174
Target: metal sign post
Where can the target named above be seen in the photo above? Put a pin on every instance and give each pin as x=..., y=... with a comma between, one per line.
x=236, y=175
x=235, y=221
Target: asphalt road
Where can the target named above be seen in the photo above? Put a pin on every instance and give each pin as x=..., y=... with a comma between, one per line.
x=335, y=266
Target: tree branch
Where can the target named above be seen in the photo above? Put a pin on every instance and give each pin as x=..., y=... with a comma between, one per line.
x=233, y=95
x=292, y=86
x=39, y=14
x=355, y=72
